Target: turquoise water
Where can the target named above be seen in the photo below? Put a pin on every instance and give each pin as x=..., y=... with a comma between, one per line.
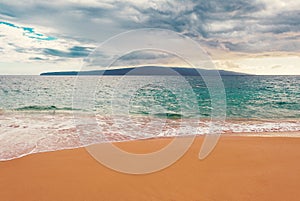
x=258, y=97
x=38, y=114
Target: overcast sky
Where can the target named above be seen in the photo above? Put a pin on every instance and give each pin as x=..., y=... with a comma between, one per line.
x=252, y=36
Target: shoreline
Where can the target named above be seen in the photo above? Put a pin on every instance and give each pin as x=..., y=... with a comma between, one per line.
x=240, y=168
x=275, y=134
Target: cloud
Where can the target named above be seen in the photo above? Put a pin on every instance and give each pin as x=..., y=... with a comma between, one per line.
x=276, y=66
x=145, y=55
x=228, y=65
x=235, y=24
x=23, y=44
x=282, y=22
x=29, y=32
x=38, y=58
x=73, y=52
x=61, y=31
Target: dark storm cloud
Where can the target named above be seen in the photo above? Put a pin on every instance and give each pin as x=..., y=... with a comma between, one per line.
x=236, y=25
x=186, y=16
x=282, y=22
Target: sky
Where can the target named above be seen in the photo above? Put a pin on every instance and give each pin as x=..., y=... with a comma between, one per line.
x=250, y=36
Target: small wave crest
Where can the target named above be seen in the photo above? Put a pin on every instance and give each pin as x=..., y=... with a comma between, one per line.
x=21, y=134
x=42, y=108
x=168, y=115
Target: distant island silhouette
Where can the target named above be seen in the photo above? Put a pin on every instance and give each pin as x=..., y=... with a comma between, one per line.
x=145, y=71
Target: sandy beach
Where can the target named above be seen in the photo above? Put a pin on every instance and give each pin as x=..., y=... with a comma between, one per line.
x=239, y=169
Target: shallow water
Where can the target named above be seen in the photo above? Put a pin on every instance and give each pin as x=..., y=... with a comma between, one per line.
x=38, y=114
x=259, y=97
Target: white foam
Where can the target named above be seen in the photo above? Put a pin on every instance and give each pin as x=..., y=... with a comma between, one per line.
x=26, y=133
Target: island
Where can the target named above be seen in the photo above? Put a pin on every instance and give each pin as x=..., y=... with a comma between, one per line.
x=145, y=71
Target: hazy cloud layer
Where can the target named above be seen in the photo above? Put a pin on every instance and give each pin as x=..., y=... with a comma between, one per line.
x=75, y=27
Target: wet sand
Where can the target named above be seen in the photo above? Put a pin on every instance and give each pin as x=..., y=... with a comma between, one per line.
x=239, y=169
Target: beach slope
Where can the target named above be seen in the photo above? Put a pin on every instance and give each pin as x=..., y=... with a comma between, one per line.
x=240, y=168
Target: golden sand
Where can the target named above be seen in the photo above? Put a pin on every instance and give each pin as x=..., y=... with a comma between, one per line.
x=239, y=169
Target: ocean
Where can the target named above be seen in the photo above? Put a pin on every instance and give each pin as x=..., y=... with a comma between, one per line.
x=41, y=113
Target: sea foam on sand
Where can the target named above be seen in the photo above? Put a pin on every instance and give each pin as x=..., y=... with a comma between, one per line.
x=23, y=133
